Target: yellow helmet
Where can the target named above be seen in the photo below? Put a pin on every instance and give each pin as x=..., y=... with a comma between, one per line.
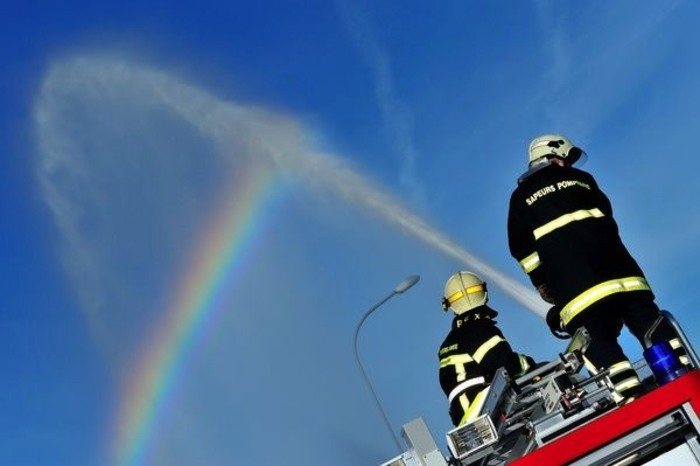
x=463, y=292
x=553, y=145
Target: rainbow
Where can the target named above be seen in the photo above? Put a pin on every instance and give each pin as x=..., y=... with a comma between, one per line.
x=218, y=258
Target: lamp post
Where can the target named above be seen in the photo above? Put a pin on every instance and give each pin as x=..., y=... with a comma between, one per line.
x=400, y=288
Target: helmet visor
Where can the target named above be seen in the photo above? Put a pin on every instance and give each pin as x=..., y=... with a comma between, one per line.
x=576, y=156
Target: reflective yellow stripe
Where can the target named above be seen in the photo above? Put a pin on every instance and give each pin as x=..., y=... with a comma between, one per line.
x=464, y=403
x=461, y=372
x=531, y=262
x=524, y=365
x=627, y=384
x=619, y=367
x=600, y=291
x=459, y=361
x=676, y=344
x=486, y=347
x=458, y=295
x=456, y=359
x=565, y=220
x=473, y=411
x=590, y=366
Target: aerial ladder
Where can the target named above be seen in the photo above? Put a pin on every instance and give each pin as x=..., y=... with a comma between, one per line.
x=554, y=415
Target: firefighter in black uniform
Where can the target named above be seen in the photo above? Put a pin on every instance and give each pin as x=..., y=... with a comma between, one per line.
x=562, y=232
x=474, y=349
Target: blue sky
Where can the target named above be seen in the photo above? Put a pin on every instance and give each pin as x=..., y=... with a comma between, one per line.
x=391, y=136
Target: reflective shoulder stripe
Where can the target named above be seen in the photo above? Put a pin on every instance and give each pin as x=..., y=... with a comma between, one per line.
x=565, y=220
x=486, y=347
x=463, y=386
x=531, y=262
x=473, y=411
x=456, y=359
x=600, y=291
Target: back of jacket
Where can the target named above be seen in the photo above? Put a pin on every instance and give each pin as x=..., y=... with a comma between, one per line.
x=469, y=357
x=562, y=232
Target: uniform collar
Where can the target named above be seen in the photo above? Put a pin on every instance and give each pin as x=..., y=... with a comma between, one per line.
x=478, y=314
x=536, y=169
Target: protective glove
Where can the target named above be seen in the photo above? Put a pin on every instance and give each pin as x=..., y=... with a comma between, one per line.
x=543, y=290
x=554, y=324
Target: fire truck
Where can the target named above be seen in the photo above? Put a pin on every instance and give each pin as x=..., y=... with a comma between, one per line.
x=555, y=415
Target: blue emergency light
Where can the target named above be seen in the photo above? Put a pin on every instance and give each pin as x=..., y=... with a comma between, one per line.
x=663, y=362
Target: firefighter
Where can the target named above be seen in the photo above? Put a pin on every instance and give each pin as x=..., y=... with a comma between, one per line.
x=474, y=348
x=562, y=232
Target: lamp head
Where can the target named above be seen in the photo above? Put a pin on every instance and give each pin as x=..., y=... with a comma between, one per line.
x=406, y=284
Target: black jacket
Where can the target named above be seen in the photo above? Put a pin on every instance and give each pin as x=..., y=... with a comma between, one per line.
x=469, y=357
x=562, y=232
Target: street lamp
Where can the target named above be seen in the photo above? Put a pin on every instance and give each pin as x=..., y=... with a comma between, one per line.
x=400, y=288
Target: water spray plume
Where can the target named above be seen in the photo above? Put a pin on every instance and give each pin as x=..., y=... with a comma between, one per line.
x=267, y=136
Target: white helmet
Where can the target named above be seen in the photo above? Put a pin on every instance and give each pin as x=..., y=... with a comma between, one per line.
x=553, y=145
x=463, y=292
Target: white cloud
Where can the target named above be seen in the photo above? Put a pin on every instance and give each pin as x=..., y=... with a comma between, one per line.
x=396, y=113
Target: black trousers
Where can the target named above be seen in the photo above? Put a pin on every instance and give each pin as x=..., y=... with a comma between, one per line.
x=604, y=321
